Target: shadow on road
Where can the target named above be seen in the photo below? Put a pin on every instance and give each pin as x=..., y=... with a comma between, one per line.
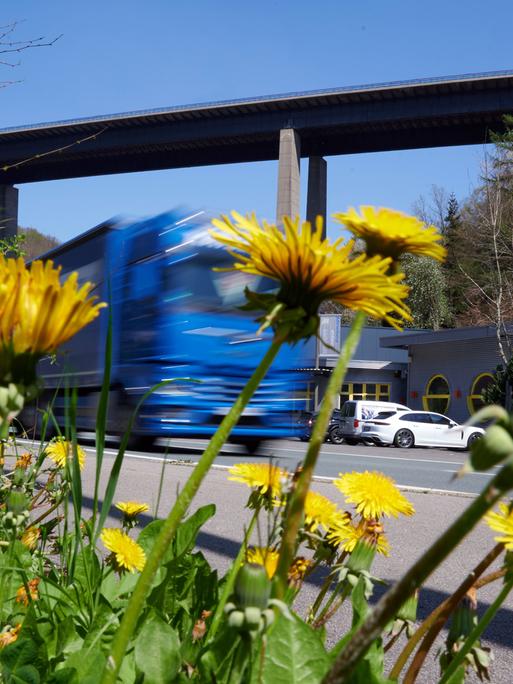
x=499, y=631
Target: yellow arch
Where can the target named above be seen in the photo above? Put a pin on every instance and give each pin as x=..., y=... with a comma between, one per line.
x=428, y=395
x=473, y=396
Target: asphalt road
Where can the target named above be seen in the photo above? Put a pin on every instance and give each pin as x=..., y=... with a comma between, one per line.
x=424, y=468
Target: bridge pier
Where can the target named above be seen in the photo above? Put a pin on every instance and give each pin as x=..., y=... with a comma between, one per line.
x=8, y=211
x=288, y=201
x=317, y=193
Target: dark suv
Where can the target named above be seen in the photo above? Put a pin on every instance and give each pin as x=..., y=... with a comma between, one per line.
x=306, y=421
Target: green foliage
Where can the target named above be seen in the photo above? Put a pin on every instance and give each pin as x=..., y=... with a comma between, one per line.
x=500, y=389
x=428, y=299
x=157, y=650
x=294, y=654
x=13, y=246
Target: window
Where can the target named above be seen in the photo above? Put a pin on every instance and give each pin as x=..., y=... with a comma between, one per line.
x=437, y=395
x=367, y=390
x=416, y=418
x=475, y=398
x=437, y=419
x=384, y=414
x=348, y=410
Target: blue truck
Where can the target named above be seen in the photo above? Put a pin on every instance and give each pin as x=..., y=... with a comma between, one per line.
x=173, y=316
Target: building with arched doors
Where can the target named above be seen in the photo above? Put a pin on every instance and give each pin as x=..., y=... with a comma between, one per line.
x=375, y=373
x=448, y=369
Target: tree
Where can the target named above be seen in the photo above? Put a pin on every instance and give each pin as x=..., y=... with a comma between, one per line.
x=455, y=279
x=36, y=243
x=11, y=47
x=485, y=244
x=428, y=299
x=28, y=244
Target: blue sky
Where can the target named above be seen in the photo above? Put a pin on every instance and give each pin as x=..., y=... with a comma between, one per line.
x=129, y=55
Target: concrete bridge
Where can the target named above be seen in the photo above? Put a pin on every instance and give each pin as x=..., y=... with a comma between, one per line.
x=434, y=112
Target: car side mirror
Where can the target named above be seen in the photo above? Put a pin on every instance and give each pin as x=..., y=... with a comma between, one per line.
x=452, y=424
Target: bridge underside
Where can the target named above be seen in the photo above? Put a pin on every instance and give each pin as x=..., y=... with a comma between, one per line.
x=410, y=115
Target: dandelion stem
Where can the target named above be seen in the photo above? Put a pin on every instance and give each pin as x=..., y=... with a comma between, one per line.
x=171, y=523
x=320, y=597
x=442, y=612
x=448, y=607
x=390, y=604
x=297, y=501
x=476, y=632
x=230, y=579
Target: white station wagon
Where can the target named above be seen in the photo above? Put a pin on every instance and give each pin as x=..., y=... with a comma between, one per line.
x=418, y=428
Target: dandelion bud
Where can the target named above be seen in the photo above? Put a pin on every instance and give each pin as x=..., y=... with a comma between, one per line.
x=236, y=619
x=495, y=446
x=11, y=403
x=362, y=556
x=252, y=616
x=17, y=502
x=268, y=616
x=252, y=587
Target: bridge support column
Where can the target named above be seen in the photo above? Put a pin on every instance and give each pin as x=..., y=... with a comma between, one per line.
x=316, y=198
x=8, y=211
x=288, y=201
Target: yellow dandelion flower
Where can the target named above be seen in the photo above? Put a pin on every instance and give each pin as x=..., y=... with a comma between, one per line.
x=23, y=461
x=30, y=537
x=391, y=233
x=319, y=510
x=502, y=522
x=127, y=554
x=346, y=534
x=265, y=477
x=265, y=557
x=373, y=494
x=9, y=634
x=60, y=450
x=131, y=509
x=37, y=312
x=311, y=269
x=23, y=597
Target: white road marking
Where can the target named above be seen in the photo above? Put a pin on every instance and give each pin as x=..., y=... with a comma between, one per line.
x=172, y=461
x=470, y=473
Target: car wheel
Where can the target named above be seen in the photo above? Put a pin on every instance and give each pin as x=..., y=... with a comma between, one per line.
x=474, y=436
x=404, y=439
x=335, y=436
x=351, y=441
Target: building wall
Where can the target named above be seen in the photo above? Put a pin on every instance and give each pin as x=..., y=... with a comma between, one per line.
x=374, y=364
x=460, y=362
x=398, y=392
x=369, y=347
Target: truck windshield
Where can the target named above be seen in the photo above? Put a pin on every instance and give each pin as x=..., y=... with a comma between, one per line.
x=191, y=284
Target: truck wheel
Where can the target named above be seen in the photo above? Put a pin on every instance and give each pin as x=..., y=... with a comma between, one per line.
x=252, y=446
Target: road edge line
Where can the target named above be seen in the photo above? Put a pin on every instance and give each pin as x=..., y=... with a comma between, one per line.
x=323, y=478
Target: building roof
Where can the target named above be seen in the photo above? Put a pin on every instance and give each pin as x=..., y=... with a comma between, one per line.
x=405, y=339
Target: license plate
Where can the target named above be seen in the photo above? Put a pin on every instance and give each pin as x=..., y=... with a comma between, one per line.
x=366, y=428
